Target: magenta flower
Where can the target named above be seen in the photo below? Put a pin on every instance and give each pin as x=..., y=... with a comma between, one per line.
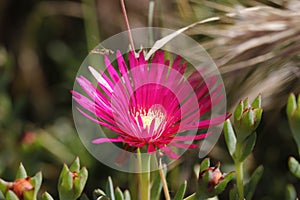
x=149, y=104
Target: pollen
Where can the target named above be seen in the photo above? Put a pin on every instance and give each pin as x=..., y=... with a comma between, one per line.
x=155, y=114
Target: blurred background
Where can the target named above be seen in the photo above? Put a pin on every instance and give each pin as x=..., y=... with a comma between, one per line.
x=255, y=44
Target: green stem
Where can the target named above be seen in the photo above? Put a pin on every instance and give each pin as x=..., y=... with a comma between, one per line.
x=239, y=173
x=150, y=20
x=127, y=24
x=164, y=181
x=144, y=175
x=239, y=179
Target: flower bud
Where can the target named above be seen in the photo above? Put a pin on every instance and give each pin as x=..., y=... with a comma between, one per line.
x=72, y=181
x=24, y=187
x=247, y=118
x=211, y=176
x=293, y=113
x=212, y=181
x=20, y=186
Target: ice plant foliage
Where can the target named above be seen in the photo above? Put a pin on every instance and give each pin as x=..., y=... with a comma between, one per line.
x=149, y=104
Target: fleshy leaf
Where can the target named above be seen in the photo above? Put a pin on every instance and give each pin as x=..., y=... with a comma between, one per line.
x=257, y=117
x=80, y=181
x=291, y=105
x=256, y=102
x=98, y=192
x=110, y=189
x=205, y=164
x=229, y=137
x=3, y=186
x=46, y=196
x=250, y=186
x=294, y=167
x=127, y=195
x=36, y=181
x=191, y=197
x=72, y=181
x=222, y=185
x=249, y=146
x=119, y=194
x=67, y=181
x=75, y=166
x=103, y=198
x=181, y=191
x=290, y=193
x=293, y=113
x=238, y=111
x=21, y=173
x=10, y=195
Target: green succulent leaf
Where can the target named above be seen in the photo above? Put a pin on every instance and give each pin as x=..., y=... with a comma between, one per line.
x=229, y=137
x=293, y=113
x=10, y=195
x=127, y=195
x=83, y=173
x=3, y=186
x=75, y=166
x=206, y=178
x=103, y=198
x=294, y=166
x=192, y=197
x=36, y=181
x=205, y=164
x=46, y=196
x=72, y=181
x=77, y=185
x=256, y=102
x=257, y=118
x=251, y=185
x=249, y=118
x=248, y=146
x=291, y=105
x=119, y=194
x=238, y=111
x=97, y=193
x=222, y=185
x=110, y=189
x=67, y=182
x=21, y=173
x=181, y=191
x=290, y=193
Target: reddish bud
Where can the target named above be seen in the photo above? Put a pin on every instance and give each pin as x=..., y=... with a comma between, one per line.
x=28, y=137
x=212, y=176
x=19, y=186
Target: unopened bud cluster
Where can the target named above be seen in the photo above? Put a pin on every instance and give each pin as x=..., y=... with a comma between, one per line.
x=247, y=118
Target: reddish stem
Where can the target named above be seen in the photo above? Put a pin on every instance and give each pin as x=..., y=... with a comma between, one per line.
x=127, y=24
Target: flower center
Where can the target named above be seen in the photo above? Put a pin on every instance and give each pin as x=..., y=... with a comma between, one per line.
x=154, y=115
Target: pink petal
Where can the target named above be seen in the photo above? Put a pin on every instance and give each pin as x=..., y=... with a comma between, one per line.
x=191, y=137
x=103, y=140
